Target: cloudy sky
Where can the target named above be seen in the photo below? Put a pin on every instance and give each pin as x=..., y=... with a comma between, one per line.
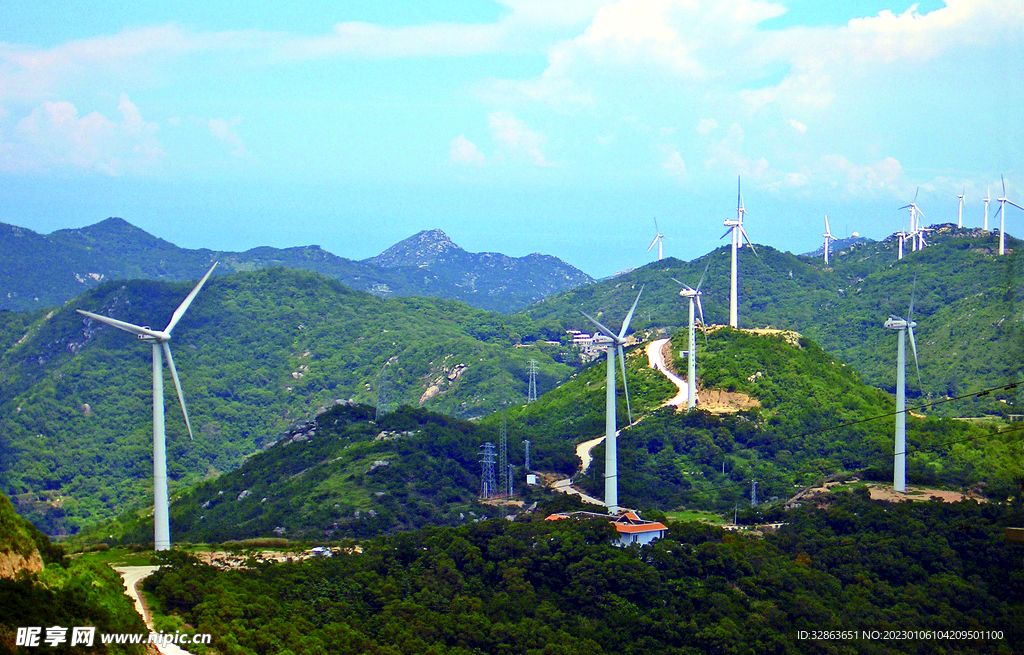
x=562, y=127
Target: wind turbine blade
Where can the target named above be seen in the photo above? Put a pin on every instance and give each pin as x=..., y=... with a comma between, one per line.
x=653, y=243
x=702, y=275
x=1004, y=184
x=603, y=329
x=703, y=325
x=183, y=307
x=121, y=325
x=739, y=195
x=656, y=230
x=828, y=231
x=177, y=386
x=919, y=212
x=916, y=191
x=726, y=233
x=629, y=317
x=625, y=384
x=913, y=347
x=1010, y=202
x=749, y=242
x=905, y=207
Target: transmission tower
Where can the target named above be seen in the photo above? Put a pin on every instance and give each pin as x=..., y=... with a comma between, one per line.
x=503, y=455
x=382, y=391
x=753, y=493
x=526, y=444
x=487, y=485
x=511, y=474
x=531, y=391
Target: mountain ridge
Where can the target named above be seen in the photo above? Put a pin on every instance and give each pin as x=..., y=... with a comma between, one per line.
x=39, y=270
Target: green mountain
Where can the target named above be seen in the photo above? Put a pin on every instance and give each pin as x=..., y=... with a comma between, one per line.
x=347, y=473
x=814, y=419
x=258, y=353
x=45, y=270
x=967, y=306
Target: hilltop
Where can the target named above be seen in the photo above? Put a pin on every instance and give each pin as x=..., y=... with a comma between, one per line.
x=39, y=271
x=967, y=305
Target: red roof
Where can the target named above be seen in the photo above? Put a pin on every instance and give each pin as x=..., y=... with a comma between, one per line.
x=631, y=528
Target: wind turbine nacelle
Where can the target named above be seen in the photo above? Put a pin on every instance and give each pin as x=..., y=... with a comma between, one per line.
x=897, y=323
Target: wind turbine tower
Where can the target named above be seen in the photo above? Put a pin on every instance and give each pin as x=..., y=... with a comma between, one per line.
x=613, y=342
x=960, y=210
x=828, y=238
x=903, y=326
x=1003, y=201
x=986, y=199
x=916, y=234
x=159, y=340
x=658, y=236
x=738, y=234
x=691, y=360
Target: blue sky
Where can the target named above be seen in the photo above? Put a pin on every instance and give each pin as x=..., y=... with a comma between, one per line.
x=515, y=126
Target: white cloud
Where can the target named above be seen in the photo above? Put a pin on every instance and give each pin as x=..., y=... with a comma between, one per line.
x=464, y=151
x=224, y=130
x=674, y=164
x=706, y=126
x=53, y=136
x=797, y=125
x=516, y=138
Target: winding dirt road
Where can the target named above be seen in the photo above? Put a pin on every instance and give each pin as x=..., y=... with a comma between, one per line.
x=656, y=360
x=132, y=576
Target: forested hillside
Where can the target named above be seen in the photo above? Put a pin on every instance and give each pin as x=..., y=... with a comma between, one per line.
x=257, y=353
x=347, y=474
x=813, y=421
x=560, y=587
x=967, y=304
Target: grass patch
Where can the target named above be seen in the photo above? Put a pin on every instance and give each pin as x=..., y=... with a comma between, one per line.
x=695, y=515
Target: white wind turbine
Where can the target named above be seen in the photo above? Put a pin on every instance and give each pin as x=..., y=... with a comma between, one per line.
x=904, y=326
x=613, y=342
x=691, y=359
x=986, y=200
x=738, y=234
x=657, y=239
x=828, y=237
x=902, y=237
x=1003, y=201
x=960, y=211
x=915, y=232
x=159, y=340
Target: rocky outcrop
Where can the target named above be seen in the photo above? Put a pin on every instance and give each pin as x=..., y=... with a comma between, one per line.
x=12, y=563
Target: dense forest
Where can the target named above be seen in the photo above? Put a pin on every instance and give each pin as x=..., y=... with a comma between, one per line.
x=544, y=587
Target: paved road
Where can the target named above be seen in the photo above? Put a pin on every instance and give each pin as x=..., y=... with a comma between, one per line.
x=657, y=362
x=132, y=576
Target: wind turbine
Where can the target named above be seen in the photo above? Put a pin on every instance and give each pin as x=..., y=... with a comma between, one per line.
x=691, y=359
x=738, y=234
x=987, y=200
x=613, y=342
x=915, y=231
x=903, y=325
x=960, y=211
x=159, y=340
x=828, y=237
x=657, y=240
x=1002, y=216
x=902, y=237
